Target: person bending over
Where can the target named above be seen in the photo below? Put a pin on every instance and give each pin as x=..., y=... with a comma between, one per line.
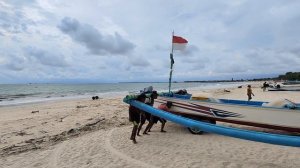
x=144, y=115
x=134, y=117
x=155, y=119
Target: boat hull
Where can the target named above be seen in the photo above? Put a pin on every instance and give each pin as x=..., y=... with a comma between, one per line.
x=285, y=89
x=270, y=138
x=264, y=117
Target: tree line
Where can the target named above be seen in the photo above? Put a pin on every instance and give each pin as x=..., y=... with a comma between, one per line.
x=291, y=76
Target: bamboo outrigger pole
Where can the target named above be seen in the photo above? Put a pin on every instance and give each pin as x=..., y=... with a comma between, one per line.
x=172, y=62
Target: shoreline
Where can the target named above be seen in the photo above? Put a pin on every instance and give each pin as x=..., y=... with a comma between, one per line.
x=34, y=96
x=87, y=133
x=45, y=101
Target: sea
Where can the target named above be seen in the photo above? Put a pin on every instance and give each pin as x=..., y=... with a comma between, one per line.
x=15, y=94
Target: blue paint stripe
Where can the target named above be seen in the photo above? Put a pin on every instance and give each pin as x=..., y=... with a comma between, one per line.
x=285, y=140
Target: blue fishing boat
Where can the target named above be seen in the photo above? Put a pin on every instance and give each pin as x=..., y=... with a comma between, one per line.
x=256, y=114
x=281, y=103
x=206, y=116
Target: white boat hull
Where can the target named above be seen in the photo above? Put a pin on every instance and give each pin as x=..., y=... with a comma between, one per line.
x=265, y=117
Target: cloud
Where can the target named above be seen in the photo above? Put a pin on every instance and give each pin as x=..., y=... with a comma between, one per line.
x=16, y=63
x=139, y=62
x=190, y=50
x=226, y=39
x=95, y=41
x=280, y=59
x=13, y=19
x=22, y=3
x=12, y=22
x=45, y=57
x=295, y=50
x=31, y=59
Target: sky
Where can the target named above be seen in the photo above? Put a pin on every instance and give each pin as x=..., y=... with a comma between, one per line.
x=60, y=41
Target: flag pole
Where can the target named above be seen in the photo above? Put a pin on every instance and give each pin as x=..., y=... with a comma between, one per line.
x=172, y=62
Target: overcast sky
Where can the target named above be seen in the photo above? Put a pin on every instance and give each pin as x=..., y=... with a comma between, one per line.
x=121, y=41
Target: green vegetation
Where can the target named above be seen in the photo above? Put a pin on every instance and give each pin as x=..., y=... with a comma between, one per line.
x=291, y=76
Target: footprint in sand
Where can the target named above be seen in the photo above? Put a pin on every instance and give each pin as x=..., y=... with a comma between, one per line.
x=123, y=156
x=57, y=155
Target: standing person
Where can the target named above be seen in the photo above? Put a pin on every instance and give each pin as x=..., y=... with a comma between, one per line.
x=155, y=119
x=134, y=117
x=264, y=86
x=144, y=115
x=249, y=92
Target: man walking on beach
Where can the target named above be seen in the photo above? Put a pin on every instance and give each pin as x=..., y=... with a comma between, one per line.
x=265, y=85
x=249, y=93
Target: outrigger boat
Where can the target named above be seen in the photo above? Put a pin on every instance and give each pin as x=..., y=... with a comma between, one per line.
x=291, y=88
x=284, y=103
x=238, y=112
x=199, y=116
x=286, y=86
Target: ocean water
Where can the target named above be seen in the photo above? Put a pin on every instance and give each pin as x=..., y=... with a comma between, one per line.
x=13, y=94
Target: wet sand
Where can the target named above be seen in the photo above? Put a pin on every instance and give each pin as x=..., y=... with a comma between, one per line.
x=95, y=133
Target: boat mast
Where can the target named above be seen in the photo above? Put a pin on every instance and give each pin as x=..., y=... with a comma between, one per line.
x=172, y=62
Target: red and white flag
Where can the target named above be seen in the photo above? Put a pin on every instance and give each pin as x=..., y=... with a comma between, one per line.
x=179, y=43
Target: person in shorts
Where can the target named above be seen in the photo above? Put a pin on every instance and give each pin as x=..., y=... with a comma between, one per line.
x=155, y=119
x=144, y=115
x=134, y=117
x=249, y=92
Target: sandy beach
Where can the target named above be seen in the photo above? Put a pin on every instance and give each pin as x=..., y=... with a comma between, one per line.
x=95, y=133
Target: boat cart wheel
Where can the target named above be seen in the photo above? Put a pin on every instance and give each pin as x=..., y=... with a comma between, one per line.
x=195, y=130
x=199, y=131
